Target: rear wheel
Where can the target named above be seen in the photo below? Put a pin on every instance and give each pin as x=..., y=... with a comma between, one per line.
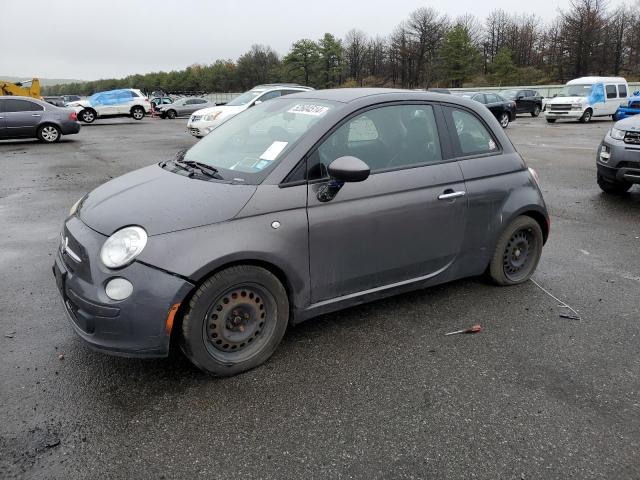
x=235, y=320
x=171, y=114
x=536, y=111
x=613, y=187
x=586, y=116
x=504, y=120
x=137, y=113
x=49, y=134
x=517, y=252
x=87, y=115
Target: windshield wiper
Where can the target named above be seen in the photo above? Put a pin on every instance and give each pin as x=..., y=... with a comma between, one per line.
x=205, y=169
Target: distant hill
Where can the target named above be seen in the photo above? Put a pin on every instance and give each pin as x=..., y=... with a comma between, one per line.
x=43, y=81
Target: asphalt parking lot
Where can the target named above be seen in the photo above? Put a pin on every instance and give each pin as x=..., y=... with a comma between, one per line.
x=376, y=391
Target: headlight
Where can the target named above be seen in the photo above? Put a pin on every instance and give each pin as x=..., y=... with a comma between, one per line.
x=617, y=134
x=123, y=246
x=211, y=116
x=576, y=105
x=76, y=205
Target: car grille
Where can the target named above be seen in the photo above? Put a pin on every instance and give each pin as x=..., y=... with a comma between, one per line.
x=194, y=131
x=195, y=118
x=81, y=268
x=632, y=137
x=560, y=107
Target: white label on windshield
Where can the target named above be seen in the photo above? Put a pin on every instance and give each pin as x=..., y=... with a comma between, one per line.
x=309, y=109
x=273, y=151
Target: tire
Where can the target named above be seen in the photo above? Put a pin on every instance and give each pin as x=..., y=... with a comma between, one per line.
x=171, y=114
x=551, y=120
x=255, y=308
x=137, y=113
x=586, y=116
x=536, y=111
x=517, y=252
x=504, y=120
x=613, y=187
x=87, y=115
x=49, y=133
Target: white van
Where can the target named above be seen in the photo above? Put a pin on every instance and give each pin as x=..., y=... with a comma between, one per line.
x=587, y=97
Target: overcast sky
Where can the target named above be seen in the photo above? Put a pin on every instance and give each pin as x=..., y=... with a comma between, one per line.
x=91, y=39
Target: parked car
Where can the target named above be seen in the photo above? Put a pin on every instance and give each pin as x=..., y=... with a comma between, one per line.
x=159, y=101
x=26, y=117
x=126, y=102
x=503, y=110
x=527, y=101
x=299, y=206
x=439, y=90
x=71, y=98
x=587, y=97
x=618, y=157
x=183, y=106
x=631, y=108
x=205, y=120
x=57, y=101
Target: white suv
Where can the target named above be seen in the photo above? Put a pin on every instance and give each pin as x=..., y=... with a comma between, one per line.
x=127, y=102
x=203, y=121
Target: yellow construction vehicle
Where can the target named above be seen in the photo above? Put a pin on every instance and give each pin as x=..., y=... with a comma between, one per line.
x=17, y=88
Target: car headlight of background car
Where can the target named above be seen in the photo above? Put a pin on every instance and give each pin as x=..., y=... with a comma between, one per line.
x=123, y=246
x=576, y=106
x=210, y=117
x=617, y=134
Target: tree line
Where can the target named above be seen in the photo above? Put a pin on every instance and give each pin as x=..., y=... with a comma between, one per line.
x=428, y=49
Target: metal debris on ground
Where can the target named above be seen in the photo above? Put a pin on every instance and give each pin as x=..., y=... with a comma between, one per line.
x=560, y=302
x=474, y=329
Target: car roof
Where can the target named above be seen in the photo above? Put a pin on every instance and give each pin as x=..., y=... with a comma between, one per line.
x=346, y=95
x=588, y=80
x=19, y=97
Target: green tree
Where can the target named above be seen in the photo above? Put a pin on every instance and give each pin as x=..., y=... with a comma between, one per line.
x=301, y=63
x=502, y=70
x=331, y=61
x=459, y=58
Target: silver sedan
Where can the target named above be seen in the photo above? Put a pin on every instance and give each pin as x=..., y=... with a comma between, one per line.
x=183, y=107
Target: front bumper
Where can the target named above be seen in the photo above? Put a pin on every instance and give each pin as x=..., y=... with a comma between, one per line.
x=134, y=327
x=572, y=114
x=200, y=129
x=623, y=164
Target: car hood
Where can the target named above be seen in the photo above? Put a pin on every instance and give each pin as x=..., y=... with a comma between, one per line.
x=161, y=201
x=225, y=110
x=567, y=100
x=79, y=103
x=629, y=124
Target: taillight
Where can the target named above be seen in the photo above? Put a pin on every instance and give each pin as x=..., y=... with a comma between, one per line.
x=73, y=116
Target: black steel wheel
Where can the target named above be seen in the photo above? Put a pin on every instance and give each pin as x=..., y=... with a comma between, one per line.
x=517, y=252
x=235, y=320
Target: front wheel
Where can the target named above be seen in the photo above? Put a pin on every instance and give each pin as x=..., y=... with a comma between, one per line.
x=235, y=320
x=613, y=187
x=586, y=116
x=504, y=120
x=517, y=252
x=49, y=134
x=536, y=111
x=87, y=115
x=171, y=114
x=137, y=113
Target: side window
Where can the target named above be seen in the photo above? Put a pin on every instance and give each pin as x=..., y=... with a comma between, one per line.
x=611, y=91
x=622, y=90
x=384, y=138
x=288, y=92
x=473, y=137
x=15, y=105
x=480, y=98
x=269, y=95
x=134, y=94
x=491, y=98
x=199, y=100
x=191, y=101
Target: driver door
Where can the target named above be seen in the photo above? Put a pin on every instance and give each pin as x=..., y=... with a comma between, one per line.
x=404, y=223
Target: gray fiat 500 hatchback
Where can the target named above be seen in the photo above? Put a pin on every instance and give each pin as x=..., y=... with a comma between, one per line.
x=296, y=207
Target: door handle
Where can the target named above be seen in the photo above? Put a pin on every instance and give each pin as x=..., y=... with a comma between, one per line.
x=35, y=114
x=449, y=194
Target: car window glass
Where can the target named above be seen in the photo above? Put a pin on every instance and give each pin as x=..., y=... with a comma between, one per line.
x=622, y=90
x=479, y=98
x=199, y=100
x=134, y=94
x=269, y=95
x=15, y=105
x=189, y=102
x=384, y=138
x=611, y=91
x=472, y=135
x=492, y=98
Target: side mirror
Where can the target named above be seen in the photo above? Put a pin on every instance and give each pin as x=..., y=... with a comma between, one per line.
x=349, y=169
x=257, y=102
x=520, y=97
x=342, y=170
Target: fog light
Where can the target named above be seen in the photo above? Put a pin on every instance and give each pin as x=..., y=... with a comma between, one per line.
x=605, y=154
x=118, y=289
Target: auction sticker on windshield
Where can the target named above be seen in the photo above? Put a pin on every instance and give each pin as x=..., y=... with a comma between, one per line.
x=273, y=151
x=309, y=109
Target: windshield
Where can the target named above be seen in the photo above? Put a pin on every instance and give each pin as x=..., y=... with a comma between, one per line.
x=508, y=94
x=575, y=91
x=244, y=147
x=245, y=98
